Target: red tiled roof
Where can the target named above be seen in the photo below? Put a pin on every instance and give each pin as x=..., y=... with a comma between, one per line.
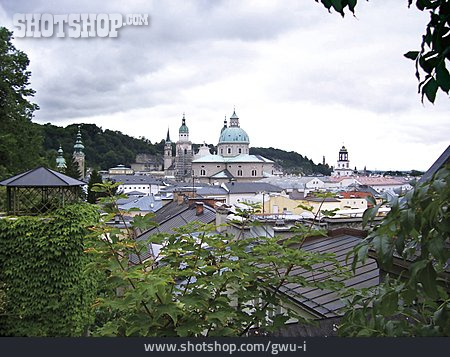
x=354, y=194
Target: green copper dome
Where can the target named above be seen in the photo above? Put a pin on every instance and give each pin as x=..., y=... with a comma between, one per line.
x=78, y=147
x=60, y=161
x=234, y=135
x=183, y=127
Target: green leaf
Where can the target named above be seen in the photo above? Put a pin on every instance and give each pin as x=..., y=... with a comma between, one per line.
x=352, y=5
x=427, y=277
x=412, y=55
x=389, y=304
x=429, y=89
x=384, y=247
x=443, y=77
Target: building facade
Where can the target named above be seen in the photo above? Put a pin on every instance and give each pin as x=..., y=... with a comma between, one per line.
x=232, y=162
x=343, y=164
x=179, y=166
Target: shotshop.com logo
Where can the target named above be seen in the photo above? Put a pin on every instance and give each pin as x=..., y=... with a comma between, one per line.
x=75, y=25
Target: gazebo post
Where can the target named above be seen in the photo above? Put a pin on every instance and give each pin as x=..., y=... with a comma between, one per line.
x=8, y=200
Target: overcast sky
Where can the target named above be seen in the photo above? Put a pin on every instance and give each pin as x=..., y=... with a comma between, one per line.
x=300, y=78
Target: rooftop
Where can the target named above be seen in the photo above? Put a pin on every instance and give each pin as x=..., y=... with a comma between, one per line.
x=137, y=179
x=324, y=303
x=234, y=159
x=41, y=177
x=250, y=187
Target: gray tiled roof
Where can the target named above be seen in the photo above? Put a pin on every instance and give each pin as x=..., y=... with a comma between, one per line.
x=440, y=162
x=211, y=190
x=144, y=203
x=324, y=303
x=251, y=187
x=137, y=179
x=178, y=216
x=42, y=177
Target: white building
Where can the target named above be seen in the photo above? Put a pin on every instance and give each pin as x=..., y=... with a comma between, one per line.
x=232, y=161
x=145, y=185
x=249, y=192
x=343, y=164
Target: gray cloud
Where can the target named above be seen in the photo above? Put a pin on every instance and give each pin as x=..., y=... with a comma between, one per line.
x=205, y=56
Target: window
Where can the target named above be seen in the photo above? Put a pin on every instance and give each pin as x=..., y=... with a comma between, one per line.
x=253, y=172
x=240, y=151
x=185, y=151
x=221, y=151
x=202, y=172
x=229, y=150
x=239, y=173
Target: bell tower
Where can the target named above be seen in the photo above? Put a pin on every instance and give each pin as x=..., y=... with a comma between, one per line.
x=183, y=158
x=78, y=154
x=168, y=159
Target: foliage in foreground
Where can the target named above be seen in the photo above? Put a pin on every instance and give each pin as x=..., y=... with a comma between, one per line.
x=416, y=232
x=431, y=67
x=201, y=283
x=44, y=287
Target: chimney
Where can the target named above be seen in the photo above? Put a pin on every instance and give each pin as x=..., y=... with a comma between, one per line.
x=199, y=208
x=221, y=217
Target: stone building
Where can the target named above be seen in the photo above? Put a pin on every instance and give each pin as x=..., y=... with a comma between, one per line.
x=232, y=162
x=343, y=164
x=179, y=166
x=78, y=154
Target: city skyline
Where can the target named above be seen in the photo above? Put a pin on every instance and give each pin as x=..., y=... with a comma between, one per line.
x=301, y=79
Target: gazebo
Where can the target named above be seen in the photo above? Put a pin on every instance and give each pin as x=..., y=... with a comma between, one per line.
x=40, y=190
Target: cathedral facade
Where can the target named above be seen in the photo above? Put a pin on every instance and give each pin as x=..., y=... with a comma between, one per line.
x=232, y=162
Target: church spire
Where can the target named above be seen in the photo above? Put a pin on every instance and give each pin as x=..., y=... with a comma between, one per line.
x=78, y=147
x=60, y=161
x=234, y=119
x=168, y=136
x=225, y=124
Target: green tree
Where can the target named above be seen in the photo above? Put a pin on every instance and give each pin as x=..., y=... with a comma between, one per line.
x=95, y=178
x=416, y=232
x=72, y=168
x=201, y=283
x=430, y=60
x=20, y=140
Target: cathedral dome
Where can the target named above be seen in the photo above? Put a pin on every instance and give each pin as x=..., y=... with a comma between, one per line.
x=234, y=135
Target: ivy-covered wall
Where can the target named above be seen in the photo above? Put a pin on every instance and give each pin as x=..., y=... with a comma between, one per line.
x=44, y=287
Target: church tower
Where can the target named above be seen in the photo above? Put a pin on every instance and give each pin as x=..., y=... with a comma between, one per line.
x=343, y=164
x=168, y=158
x=78, y=154
x=60, y=160
x=183, y=158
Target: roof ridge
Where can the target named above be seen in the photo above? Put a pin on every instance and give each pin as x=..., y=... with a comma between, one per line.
x=59, y=178
x=18, y=176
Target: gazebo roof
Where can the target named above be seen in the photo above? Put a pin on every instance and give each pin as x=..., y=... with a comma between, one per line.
x=41, y=177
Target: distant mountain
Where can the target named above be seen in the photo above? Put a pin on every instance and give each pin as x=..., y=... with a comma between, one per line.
x=292, y=162
x=107, y=148
x=103, y=148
